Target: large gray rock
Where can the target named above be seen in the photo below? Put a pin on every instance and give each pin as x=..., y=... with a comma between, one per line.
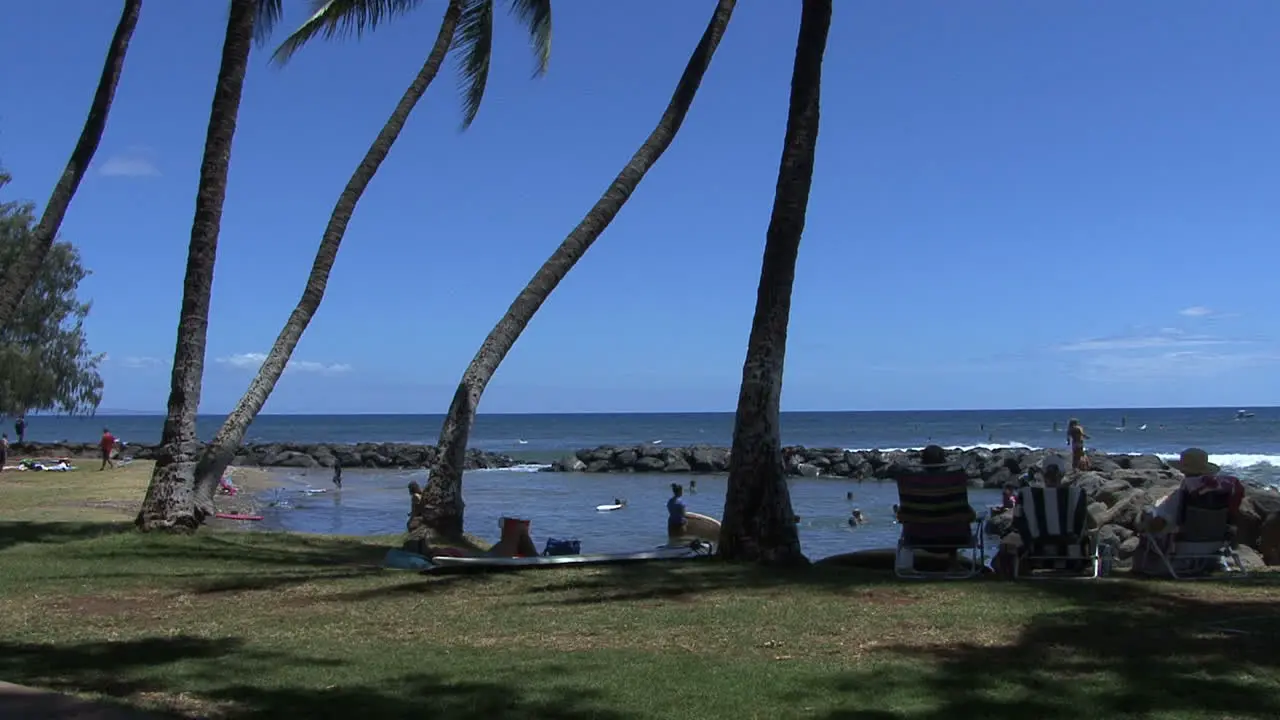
x=1256, y=508
x=1250, y=560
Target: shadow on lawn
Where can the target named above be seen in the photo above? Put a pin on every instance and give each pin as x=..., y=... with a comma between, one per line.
x=208, y=562
x=236, y=562
x=102, y=668
x=675, y=580
x=23, y=533
x=1121, y=649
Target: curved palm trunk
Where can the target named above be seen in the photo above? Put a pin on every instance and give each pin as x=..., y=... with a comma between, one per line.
x=759, y=523
x=19, y=276
x=170, y=500
x=440, y=510
x=222, y=450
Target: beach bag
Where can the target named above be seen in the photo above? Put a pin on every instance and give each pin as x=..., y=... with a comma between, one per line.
x=563, y=546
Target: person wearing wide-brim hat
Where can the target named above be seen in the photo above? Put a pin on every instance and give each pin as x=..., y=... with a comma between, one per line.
x=934, y=458
x=1053, y=467
x=1194, y=462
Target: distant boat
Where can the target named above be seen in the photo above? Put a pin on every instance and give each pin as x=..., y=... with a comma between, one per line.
x=1243, y=414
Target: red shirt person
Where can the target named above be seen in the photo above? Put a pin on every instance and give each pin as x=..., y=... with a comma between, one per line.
x=107, y=443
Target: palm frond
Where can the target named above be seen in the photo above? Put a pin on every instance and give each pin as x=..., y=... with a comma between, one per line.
x=536, y=16
x=269, y=14
x=473, y=40
x=340, y=19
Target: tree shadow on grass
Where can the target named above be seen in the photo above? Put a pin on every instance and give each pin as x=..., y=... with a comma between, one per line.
x=1118, y=649
x=418, y=696
x=101, y=667
x=131, y=670
x=667, y=580
x=244, y=564
x=25, y=533
x=233, y=562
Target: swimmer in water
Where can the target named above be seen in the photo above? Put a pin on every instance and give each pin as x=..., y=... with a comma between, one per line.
x=895, y=512
x=848, y=495
x=856, y=518
x=693, y=486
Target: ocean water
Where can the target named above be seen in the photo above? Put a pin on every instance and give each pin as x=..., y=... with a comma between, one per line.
x=1250, y=446
x=563, y=505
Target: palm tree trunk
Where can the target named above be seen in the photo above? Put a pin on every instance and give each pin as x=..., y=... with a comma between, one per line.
x=170, y=500
x=441, y=508
x=20, y=276
x=759, y=523
x=222, y=450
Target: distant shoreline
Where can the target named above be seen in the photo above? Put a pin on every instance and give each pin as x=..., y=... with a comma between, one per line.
x=987, y=468
x=1066, y=412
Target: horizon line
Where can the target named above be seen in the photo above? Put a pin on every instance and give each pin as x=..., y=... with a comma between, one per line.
x=159, y=413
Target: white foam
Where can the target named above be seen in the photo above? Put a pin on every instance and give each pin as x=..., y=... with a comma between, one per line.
x=521, y=468
x=1235, y=460
x=957, y=448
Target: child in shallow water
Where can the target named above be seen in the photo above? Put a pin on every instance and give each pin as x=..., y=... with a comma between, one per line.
x=856, y=518
x=1008, y=499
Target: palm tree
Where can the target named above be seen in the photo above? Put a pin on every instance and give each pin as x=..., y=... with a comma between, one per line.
x=759, y=524
x=19, y=277
x=170, y=500
x=440, y=511
x=468, y=25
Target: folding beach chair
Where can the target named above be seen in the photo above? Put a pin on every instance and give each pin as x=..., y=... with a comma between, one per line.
x=1053, y=524
x=1200, y=541
x=934, y=510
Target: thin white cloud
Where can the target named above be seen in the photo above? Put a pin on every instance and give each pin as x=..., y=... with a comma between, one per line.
x=136, y=161
x=252, y=361
x=140, y=362
x=1169, y=353
x=1195, y=311
x=1166, y=339
x=1183, y=364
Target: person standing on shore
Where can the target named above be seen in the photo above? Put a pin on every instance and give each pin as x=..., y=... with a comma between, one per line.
x=1076, y=437
x=677, y=520
x=337, y=475
x=107, y=443
x=4, y=450
x=20, y=428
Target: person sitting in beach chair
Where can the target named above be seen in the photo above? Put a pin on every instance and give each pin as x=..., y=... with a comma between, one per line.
x=1053, y=527
x=934, y=511
x=1191, y=532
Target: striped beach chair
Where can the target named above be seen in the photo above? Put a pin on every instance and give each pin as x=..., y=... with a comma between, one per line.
x=1200, y=544
x=1053, y=524
x=936, y=517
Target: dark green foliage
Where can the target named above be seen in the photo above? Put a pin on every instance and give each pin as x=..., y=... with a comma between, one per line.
x=45, y=361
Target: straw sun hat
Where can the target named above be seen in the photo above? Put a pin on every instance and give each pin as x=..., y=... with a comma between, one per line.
x=1194, y=462
x=1054, y=461
x=933, y=456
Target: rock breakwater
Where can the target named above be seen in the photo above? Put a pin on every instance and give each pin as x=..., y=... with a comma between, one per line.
x=985, y=468
x=1119, y=487
x=291, y=455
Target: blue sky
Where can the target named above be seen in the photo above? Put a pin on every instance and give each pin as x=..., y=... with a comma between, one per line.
x=1016, y=205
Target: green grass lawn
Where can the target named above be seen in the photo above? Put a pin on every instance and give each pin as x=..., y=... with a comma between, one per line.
x=243, y=625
